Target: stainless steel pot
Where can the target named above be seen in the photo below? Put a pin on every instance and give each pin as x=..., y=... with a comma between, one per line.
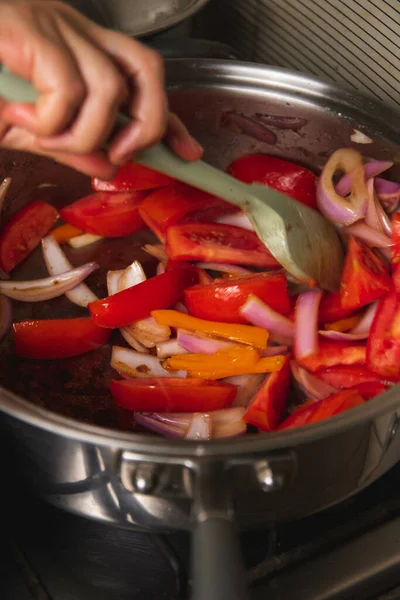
x=151, y=483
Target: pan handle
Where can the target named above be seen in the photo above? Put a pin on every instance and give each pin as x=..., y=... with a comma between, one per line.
x=217, y=565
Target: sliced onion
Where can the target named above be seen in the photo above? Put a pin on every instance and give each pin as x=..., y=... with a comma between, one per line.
x=47, y=288
x=169, y=348
x=124, y=331
x=5, y=184
x=5, y=315
x=225, y=423
x=331, y=202
x=160, y=268
x=113, y=278
x=156, y=251
x=200, y=427
x=358, y=137
x=373, y=238
x=364, y=325
x=306, y=321
x=388, y=193
x=224, y=268
x=112, y=281
x=239, y=219
x=131, y=276
x=129, y=364
x=149, y=333
x=375, y=216
x=57, y=263
x=201, y=345
x=247, y=385
x=260, y=314
x=371, y=169
x=86, y=239
x=313, y=388
x=341, y=336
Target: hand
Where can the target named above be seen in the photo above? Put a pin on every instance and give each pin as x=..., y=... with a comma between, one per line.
x=85, y=74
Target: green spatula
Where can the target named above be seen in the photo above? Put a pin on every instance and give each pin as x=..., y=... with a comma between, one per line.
x=300, y=239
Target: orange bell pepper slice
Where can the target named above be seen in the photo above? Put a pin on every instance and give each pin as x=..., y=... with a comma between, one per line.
x=64, y=233
x=245, y=334
x=269, y=364
x=236, y=360
x=343, y=324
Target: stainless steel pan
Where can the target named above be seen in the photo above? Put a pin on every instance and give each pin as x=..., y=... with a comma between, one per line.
x=141, y=481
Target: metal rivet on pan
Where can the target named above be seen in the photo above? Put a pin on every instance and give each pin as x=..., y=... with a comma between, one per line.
x=269, y=481
x=144, y=478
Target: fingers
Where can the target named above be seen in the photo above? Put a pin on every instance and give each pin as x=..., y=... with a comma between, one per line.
x=148, y=103
x=180, y=141
x=105, y=91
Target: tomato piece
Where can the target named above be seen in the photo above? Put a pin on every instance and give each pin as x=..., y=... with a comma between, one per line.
x=23, y=233
x=365, y=278
x=109, y=214
x=282, y=175
x=347, y=376
x=58, y=338
x=395, y=255
x=370, y=389
x=177, y=203
x=222, y=299
x=132, y=177
x=383, y=347
x=331, y=309
x=331, y=354
x=215, y=242
x=335, y=404
x=268, y=406
x=172, y=394
x=137, y=302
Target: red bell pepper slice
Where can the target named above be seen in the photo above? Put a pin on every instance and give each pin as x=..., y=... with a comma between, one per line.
x=58, y=338
x=331, y=309
x=331, y=354
x=282, y=175
x=365, y=278
x=269, y=403
x=170, y=394
x=132, y=177
x=222, y=299
x=137, y=302
x=323, y=409
x=215, y=242
x=23, y=233
x=347, y=376
x=370, y=389
x=395, y=258
x=179, y=203
x=109, y=214
x=383, y=347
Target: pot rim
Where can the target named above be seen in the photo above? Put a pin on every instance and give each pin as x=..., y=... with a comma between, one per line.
x=203, y=72
x=167, y=23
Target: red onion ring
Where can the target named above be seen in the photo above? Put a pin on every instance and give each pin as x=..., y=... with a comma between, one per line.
x=388, y=193
x=331, y=203
x=6, y=314
x=57, y=263
x=306, y=321
x=47, y=288
x=313, y=388
x=371, y=169
x=129, y=364
x=373, y=238
x=375, y=216
x=262, y=315
x=239, y=219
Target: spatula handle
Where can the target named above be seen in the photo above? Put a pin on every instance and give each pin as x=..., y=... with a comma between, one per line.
x=159, y=157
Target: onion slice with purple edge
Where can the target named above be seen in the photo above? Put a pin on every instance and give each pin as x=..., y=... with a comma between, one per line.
x=224, y=268
x=131, y=364
x=306, y=322
x=57, y=263
x=375, y=216
x=371, y=169
x=224, y=423
x=388, y=193
x=39, y=290
x=201, y=345
x=260, y=314
x=200, y=427
x=331, y=202
x=5, y=315
x=364, y=325
x=313, y=388
x=359, y=332
x=247, y=385
x=169, y=348
x=372, y=237
x=238, y=219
